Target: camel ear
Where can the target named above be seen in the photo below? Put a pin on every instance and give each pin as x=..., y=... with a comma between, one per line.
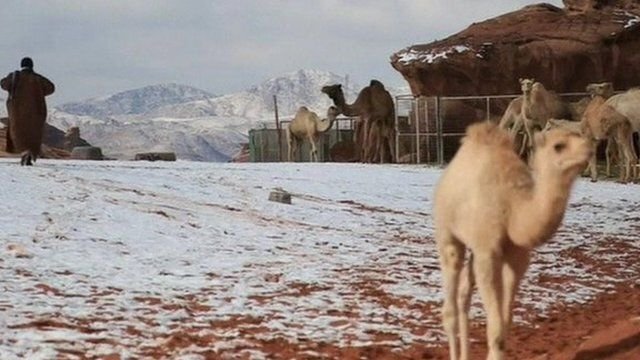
x=539, y=139
x=520, y=80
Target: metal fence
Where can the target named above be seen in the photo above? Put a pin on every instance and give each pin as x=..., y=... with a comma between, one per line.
x=429, y=129
x=270, y=144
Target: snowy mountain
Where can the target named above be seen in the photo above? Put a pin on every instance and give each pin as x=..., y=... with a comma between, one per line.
x=137, y=101
x=191, y=122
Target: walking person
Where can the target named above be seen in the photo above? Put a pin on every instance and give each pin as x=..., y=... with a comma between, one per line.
x=27, y=110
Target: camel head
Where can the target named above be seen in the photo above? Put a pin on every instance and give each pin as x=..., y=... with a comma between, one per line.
x=527, y=85
x=333, y=91
x=332, y=112
x=560, y=153
x=326, y=124
x=604, y=89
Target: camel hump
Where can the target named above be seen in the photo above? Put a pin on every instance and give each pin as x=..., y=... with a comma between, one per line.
x=488, y=133
x=376, y=83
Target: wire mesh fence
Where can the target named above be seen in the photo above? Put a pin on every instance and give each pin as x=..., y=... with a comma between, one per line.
x=429, y=129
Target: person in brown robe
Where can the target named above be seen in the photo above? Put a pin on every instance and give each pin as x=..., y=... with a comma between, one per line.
x=27, y=110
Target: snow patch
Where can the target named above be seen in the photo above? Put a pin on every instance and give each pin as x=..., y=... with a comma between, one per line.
x=432, y=56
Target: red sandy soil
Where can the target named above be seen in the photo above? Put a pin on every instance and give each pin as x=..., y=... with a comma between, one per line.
x=607, y=328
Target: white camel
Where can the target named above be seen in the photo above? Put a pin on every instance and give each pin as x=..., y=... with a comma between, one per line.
x=540, y=105
x=489, y=201
x=307, y=125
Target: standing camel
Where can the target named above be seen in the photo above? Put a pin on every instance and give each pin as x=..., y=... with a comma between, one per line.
x=490, y=201
x=375, y=133
x=603, y=121
x=540, y=105
x=307, y=125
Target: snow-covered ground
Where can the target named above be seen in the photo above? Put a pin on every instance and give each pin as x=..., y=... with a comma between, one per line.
x=139, y=259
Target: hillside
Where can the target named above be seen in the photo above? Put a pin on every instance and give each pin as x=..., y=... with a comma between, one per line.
x=138, y=101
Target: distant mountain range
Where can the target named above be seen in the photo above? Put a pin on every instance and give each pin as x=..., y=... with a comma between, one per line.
x=194, y=123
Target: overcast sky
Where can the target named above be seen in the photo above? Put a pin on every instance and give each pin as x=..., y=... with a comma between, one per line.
x=92, y=48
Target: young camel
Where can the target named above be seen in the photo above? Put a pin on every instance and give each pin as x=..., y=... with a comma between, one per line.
x=490, y=201
x=601, y=121
x=307, y=125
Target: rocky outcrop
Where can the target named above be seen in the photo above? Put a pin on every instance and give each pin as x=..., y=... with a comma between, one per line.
x=156, y=156
x=86, y=153
x=53, y=144
x=564, y=48
x=72, y=139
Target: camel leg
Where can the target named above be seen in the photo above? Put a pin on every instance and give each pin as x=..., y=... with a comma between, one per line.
x=488, y=274
x=358, y=138
x=370, y=143
x=609, y=154
x=366, y=128
x=529, y=130
x=451, y=262
x=391, y=141
x=513, y=269
x=313, y=153
x=593, y=168
x=624, y=141
x=464, y=303
x=291, y=144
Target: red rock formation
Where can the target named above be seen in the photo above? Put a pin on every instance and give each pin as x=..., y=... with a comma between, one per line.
x=587, y=41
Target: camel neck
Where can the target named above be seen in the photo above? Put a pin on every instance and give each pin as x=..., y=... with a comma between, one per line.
x=539, y=212
x=346, y=109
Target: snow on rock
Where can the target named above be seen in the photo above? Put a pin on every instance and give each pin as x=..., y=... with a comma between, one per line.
x=627, y=18
x=430, y=57
x=176, y=259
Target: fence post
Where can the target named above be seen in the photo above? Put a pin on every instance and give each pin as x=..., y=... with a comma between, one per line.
x=427, y=130
x=397, y=134
x=275, y=107
x=488, y=109
x=439, y=135
x=416, y=111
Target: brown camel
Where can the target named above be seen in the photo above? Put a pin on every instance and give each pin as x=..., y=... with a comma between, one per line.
x=27, y=110
x=490, y=201
x=375, y=133
x=307, y=125
x=602, y=121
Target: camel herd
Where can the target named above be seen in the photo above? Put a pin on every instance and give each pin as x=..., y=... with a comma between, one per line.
x=490, y=200
x=374, y=133
x=602, y=116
